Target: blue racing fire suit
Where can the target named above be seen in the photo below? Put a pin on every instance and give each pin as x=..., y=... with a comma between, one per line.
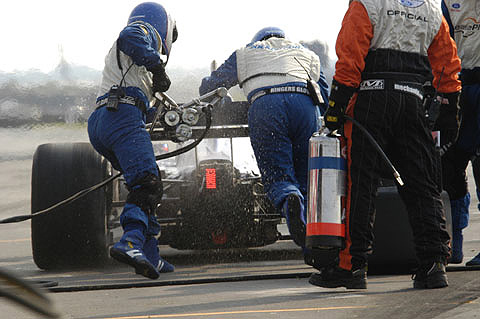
x=463, y=17
x=273, y=74
x=120, y=135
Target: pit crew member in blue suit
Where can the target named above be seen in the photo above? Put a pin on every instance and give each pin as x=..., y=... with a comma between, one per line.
x=273, y=73
x=463, y=17
x=134, y=70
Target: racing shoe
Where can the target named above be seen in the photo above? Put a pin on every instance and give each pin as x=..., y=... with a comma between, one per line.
x=430, y=276
x=334, y=277
x=293, y=212
x=164, y=266
x=150, y=248
x=474, y=262
x=126, y=252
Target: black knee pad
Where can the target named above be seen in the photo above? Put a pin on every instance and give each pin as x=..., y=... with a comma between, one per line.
x=146, y=193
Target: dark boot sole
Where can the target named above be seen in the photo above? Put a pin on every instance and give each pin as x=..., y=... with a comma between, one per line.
x=142, y=267
x=431, y=283
x=425, y=285
x=349, y=284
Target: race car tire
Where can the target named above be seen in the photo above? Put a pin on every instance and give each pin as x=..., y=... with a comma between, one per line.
x=74, y=234
x=393, y=248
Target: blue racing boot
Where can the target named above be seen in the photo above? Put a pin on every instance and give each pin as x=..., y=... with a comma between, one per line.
x=152, y=252
x=474, y=262
x=293, y=211
x=129, y=251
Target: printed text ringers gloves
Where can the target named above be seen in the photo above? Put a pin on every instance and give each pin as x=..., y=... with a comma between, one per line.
x=448, y=121
x=161, y=82
x=337, y=104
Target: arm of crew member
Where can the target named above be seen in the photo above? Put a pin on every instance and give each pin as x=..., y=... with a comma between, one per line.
x=225, y=75
x=443, y=57
x=322, y=83
x=353, y=43
x=446, y=14
x=141, y=44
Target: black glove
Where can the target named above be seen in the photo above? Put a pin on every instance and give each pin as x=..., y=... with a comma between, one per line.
x=448, y=121
x=337, y=104
x=161, y=82
x=430, y=104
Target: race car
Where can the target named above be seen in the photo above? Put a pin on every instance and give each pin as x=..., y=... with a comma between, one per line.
x=213, y=195
x=213, y=198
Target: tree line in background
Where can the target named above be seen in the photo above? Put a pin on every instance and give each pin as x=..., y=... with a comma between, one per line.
x=58, y=101
x=68, y=93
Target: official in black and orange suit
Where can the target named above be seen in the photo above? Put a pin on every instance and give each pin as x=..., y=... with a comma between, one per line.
x=386, y=50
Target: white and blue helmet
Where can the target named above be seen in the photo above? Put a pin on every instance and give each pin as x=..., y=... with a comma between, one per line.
x=268, y=32
x=155, y=14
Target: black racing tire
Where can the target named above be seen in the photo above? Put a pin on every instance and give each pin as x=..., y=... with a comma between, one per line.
x=393, y=247
x=74, y=234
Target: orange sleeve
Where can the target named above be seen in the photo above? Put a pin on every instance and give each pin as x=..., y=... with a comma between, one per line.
x=442, y=53
x=353, y=43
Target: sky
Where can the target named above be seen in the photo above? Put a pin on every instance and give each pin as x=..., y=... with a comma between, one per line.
x=35, y=34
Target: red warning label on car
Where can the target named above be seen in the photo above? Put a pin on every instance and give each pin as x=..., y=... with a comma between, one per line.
x=211, y=178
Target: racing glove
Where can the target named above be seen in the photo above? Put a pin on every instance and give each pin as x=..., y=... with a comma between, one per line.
x=161, y=82
x=337, y=104
x=448, y=121
x=431, y=104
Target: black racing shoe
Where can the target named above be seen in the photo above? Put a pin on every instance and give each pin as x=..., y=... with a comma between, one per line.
x=430, y=276
x=334, y=277
x=292, y=210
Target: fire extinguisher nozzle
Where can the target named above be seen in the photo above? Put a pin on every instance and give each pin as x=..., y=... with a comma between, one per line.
x=398, y=178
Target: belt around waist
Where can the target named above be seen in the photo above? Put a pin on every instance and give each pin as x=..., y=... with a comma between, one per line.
x=279, y=89
x=131, y=100
x=413, y=88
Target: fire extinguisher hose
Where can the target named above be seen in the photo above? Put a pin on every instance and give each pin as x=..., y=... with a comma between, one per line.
x=378, y=148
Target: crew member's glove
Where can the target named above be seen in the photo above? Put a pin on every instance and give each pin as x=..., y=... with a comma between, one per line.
x=161, y=82
x=448, y=121
x=431, y=104
x=337, y=104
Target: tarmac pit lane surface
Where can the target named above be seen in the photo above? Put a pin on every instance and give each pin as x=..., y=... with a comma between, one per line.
x=215, y=293
x=386, y=297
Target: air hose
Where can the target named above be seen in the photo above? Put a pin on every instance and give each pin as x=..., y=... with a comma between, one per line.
x=15, y=219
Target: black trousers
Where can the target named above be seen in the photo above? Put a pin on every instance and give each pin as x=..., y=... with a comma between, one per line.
x=396, y=120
